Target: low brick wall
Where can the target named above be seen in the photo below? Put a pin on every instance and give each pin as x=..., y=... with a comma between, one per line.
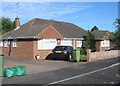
x=93, y=56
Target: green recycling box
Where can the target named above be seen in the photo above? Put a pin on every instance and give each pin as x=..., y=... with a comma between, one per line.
x=76, y=55
x=1, y=65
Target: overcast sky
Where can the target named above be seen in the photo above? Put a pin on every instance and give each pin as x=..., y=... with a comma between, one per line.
x=83, y=14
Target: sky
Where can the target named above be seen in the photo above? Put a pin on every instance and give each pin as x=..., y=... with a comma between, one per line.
x=83, y=14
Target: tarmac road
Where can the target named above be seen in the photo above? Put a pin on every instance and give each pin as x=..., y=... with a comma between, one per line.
x=98, y=72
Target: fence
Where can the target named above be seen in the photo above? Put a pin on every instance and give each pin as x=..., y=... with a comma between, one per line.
x=93, y=56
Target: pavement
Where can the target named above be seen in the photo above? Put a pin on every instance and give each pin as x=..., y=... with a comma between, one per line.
x=38, y=66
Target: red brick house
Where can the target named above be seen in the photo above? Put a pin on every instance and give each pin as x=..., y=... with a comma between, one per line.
x=39, y=37
x=102, y=40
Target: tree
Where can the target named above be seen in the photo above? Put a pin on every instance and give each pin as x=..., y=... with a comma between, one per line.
x=94, y=28
x=7, y=25
x=115, y=37
x=90, y=41
x=87, y=40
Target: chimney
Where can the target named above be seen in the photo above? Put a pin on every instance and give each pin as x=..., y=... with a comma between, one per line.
x=17, y=23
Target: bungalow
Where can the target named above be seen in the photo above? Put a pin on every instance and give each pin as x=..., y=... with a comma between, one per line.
x=39, y=37
x=102, y=40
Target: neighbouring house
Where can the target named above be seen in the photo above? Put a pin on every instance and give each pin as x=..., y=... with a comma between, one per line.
x=39, y=37
x=102, y=40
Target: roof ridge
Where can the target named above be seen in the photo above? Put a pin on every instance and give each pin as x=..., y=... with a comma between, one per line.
x=56, y=28
x=100, y=30
x=32, y=21
x=51, y=20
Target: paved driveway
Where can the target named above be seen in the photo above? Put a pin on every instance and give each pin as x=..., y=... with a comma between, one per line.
x=37, y=66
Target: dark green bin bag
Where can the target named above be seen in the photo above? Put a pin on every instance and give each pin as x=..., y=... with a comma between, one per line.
x=10, y=72
x=20, y=70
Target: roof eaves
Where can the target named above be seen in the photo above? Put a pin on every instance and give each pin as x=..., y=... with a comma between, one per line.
x=73, y=38
x=27, y=37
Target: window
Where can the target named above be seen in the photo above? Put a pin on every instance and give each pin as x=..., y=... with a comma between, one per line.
x=66, y=42
x=1, y=43
x=14, y=43
x=5, y=43
x=46, y=43
x=105, y=43
x=79, y=43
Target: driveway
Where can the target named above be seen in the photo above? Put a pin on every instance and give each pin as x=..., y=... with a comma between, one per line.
x=37, y=66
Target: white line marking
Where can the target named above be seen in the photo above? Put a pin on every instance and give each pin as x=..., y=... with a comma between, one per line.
x=56, y=82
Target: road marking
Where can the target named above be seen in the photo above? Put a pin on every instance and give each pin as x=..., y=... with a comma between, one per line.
x=67, y=79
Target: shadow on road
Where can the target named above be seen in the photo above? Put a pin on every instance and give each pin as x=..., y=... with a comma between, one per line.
x=55, y=57
x=49, y=57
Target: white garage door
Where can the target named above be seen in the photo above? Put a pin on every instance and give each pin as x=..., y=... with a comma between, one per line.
x=66, y=42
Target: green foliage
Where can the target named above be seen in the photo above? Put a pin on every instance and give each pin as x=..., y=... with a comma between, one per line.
x=115, y=37
x=90, y=41
x=94, y=28
x=6, y=25
x=83, y=51
x=117, y=24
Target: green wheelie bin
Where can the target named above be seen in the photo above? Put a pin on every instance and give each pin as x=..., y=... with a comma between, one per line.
x=76, y=55
x=1, y=65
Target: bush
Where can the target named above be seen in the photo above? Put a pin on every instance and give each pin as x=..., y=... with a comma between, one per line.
x=83, y=51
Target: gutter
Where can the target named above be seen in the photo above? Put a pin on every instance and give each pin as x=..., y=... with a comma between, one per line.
x=74, y=38
x=28, y=37
x=33, y=37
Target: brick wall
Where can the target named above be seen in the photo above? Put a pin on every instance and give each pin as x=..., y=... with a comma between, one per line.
x=28, y=49
x=24, y=49
x=50, y=32
x=97, y=45
x=41, y=53
x=44, y=53
x=99, y=48
x=104, y=48
x=93, y=56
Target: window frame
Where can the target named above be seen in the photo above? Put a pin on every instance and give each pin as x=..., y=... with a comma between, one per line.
x=105, y=43
x=5, y=43
x=42, y=44
x=66, y=42
x=1, y=43
x=79, y=43
x=14, y=43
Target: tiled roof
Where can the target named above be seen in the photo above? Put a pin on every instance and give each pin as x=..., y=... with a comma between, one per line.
x=99, y=34
x=36, y=26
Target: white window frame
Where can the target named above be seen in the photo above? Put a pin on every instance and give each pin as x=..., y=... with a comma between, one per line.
x=5, y=43
x=66, y=42
x=79, y=43
x=1, y=43
x=14, y=43
x=46, y=44
x=105, y=43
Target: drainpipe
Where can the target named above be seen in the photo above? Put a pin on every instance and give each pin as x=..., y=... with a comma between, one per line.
x=9, y=53
x=9, y=45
